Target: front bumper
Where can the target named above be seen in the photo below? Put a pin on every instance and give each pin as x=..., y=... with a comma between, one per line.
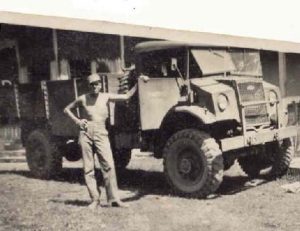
x=256, y=138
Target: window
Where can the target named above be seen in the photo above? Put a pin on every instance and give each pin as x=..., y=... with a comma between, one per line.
x=80, y=68
x=247, y=62
x=158, y=64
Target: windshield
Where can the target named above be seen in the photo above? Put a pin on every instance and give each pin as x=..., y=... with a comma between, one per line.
x=213, y=61
x=202, y=62
x=246, y=62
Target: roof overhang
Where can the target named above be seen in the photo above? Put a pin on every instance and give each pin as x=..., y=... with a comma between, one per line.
x=105, y=27
x=165, y=45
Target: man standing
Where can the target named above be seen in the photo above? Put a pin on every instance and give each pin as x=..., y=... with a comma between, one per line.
x=94, y=137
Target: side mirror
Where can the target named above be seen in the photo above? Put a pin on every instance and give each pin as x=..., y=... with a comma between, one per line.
x=174, y=64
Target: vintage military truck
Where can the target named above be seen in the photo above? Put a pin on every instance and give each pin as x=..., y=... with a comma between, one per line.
x=198, y=107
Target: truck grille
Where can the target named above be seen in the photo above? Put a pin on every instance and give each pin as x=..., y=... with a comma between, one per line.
x=251, y=91
x=255, y=114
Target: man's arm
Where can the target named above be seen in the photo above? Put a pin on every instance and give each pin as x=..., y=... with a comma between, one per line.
x=72, y=116
x=123, y=97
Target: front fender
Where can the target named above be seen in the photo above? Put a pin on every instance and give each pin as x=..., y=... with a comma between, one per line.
x=181, y=117
x=205, y=116
x=290, y=107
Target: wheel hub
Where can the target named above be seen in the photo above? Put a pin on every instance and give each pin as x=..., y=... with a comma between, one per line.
x=185, y=166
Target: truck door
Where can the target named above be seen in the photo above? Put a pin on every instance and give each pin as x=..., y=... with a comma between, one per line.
x=157, y=96
x=158, y=85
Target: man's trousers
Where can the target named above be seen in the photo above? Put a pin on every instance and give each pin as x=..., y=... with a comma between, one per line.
x=94, y=140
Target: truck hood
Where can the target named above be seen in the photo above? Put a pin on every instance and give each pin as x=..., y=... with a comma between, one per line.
x=202, y=82
x=209, y=84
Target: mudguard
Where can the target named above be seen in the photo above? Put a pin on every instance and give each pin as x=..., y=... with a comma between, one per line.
x=205, y=116
x=291, y=106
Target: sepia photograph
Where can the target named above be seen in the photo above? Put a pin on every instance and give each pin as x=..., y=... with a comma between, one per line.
x=139, y=116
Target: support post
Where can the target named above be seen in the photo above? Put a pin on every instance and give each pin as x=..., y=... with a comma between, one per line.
x=54, y=66
x=93, y=66
x=122, y=51
x=22, y=70
x=282, y=72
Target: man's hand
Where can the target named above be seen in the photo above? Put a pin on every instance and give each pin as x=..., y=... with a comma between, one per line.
x=82, y=124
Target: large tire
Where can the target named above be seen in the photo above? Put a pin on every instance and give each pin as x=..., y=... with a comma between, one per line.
x=228, y=162
x=122, y=158
x=193, y=163
x=283, y=152
x=277, y=156
x=43, y=159
x=70, y=150
x=252, y=165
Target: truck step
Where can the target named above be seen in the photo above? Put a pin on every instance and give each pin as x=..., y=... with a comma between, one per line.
x=13, y=159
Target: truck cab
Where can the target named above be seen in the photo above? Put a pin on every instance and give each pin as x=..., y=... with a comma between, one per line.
x=194, y=95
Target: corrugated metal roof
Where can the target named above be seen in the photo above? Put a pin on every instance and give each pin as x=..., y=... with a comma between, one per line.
x=149, y=32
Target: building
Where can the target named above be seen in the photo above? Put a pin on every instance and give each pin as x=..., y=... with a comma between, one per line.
x=34, y=48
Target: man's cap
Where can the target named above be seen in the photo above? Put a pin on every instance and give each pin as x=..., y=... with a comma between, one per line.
x=93, y=78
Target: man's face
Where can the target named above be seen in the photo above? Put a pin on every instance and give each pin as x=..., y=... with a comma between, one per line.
x=95, y=87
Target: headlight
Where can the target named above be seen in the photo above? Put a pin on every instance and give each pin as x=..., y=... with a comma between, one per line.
x=272, y=97
x=222, y=102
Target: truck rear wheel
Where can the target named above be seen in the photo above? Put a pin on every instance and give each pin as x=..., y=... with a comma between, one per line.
x=70, y=150
x=122, y=158
x=193, y=163
x=43, y=159
x=277, y=156
x=252, y=164
x=283, y=153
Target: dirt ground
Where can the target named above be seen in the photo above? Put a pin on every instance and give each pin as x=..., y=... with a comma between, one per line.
x=32, y=204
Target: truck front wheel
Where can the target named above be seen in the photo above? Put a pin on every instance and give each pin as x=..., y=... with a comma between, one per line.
x=43, y=159
x=193, y=163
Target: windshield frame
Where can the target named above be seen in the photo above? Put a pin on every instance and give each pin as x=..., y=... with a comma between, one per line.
x=246, y=53
x=212, y=61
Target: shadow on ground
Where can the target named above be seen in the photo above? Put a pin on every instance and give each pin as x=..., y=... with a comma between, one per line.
x=77, y=203
x=143, y=182
x=235, y=184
